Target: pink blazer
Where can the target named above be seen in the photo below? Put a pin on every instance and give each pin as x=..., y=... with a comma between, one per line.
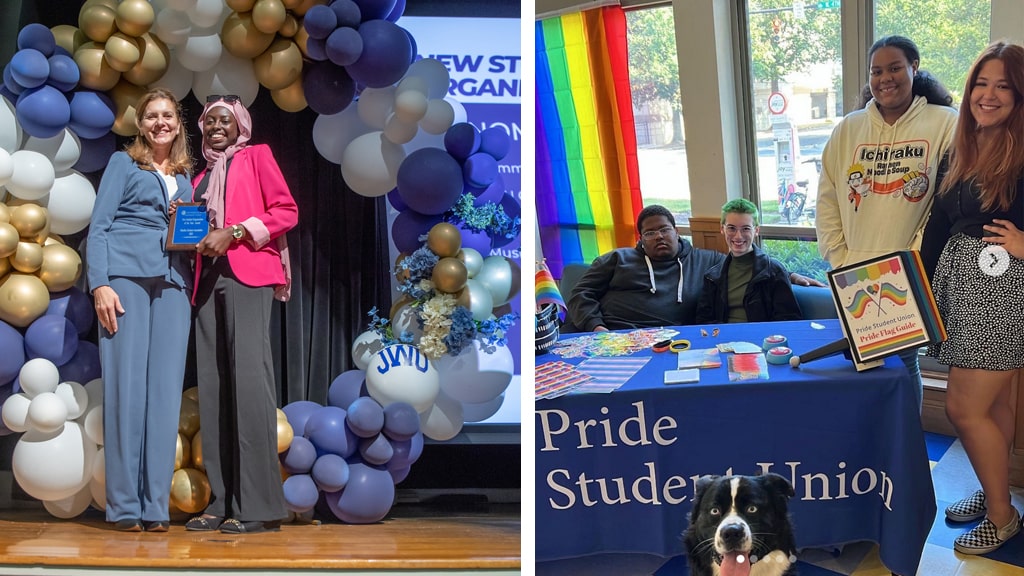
x=257, y=197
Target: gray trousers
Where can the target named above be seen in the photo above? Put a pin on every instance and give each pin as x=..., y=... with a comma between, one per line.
x=237, y=396
x=143, y=368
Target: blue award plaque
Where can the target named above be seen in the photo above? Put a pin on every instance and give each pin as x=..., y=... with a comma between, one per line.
x=188, y=226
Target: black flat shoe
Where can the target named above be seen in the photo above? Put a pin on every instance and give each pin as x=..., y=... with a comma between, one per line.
x=204, y=523
x=158, y=526
x=232, y=526
x=129, y=525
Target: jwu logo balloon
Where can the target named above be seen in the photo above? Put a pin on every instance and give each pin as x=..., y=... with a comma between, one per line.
x=401, y=373
x=401, y=355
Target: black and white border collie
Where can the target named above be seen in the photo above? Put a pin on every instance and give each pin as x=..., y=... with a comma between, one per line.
x=739, y=526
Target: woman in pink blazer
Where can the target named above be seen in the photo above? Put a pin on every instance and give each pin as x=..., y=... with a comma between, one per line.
x=243, y=266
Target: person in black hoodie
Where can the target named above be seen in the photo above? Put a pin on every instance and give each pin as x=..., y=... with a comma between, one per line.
x=748, y=286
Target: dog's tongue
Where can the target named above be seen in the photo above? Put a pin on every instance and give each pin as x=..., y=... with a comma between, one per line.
x=732, y=565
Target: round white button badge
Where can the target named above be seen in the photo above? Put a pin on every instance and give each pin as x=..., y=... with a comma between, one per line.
x=994, y=260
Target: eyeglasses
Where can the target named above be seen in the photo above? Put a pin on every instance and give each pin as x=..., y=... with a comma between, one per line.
x=664, y=232
x=745, y=230
x=229, y=98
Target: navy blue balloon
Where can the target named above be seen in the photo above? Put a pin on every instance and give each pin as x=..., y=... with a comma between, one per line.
x=29, y=68
x=92, y=114
x=96, y=153
x=396, y=12
x=375, y=9
x=396, y=200
x=43, y=112
x=298, y=413
x=316, y=49
x=326, y=430
x=407, y=228
x=299, y=457
x=300, y=493
x=477, y=240
x=430, y=181
x=345, y=388
x=7, y=94
x=479, y=170
x=347, y=12
x=399, y=474
x=330, y=472
x=401, y=422
x=62, y=51
x=84, y=366
x=37, y=37
x=495, y=141
x=412, y=42
x=10, y=85
x=51, y=337
x=376, y=450
x=319, y=22
x=492, y=193
x=12, y=352
x=462, y=140
x=386, y=55
x=367, y=498
x=74, y=305
x=365, y=417
x=406, y=452
x=329, y=88
x=64, y=73
x=344, y=46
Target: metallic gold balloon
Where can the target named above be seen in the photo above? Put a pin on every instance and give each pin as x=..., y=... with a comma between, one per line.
x=241, y=38
x=53, y=239
x=153, y=60
x=472, y=259
x=112, y=4
x=5, y=213
x=290, y=27
x=29, y=220
x=43, y=234
x=398, y=306
x=121, y=51
x=268, y=15
x=5, y=267
x=197, y=451
x=182, y=452
x=401, y=274
x=291, y=98
x=292, y=4
x=191, y=394
x=8, y=239
x=284, y=435
x=302, y=6
x=300, y=38
x=284, y=473
x=188, y=417
x=190, y=490
x=68, y=37
x=61, y=267
x=94, y=71
x=97, y=22
x=280, y=414
x=135, y=17
x=279, y=66
x=444, y=240
x=241, y=5
x=449, y=275
x=126, y=95
x=23, y=298
x=28, y=257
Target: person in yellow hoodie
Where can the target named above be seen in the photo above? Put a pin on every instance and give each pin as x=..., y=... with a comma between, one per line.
x=879, y=166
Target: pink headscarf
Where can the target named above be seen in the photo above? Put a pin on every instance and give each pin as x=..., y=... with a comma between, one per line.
x=214, y=195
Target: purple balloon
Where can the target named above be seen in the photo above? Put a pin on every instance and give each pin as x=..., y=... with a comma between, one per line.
x=330, y=472
x=299, y=457
x=399, y=474
x=367, y=497
x=92, y=114
x=396, y=200
x=406, y=452
x=513, y=210
x=319, y=22
x=412, y=42
x=401, y=421
x=29, y=68
x=326, y=430
x=478, y=241
x=396, y=12
x=64, y=74
x=84, y=366
x=53, y=338
x=74, y=305
x=7, y=94
x=11, y=85
x=365, y=417
x=492, y=193
x=13, y=357
x=376, y=450
x=462, y=140
x=43, y=112
x=430, y=181
x=345, y=388
x=298, y=413
x=408, y=227
x=96, y=153
x=37, y=37
x=347, y=12
x=344, y=46
x=375, y=9
x=386, y=54
x=328, y=88
x=495, y=142
x=300, y=493
x=479, y=170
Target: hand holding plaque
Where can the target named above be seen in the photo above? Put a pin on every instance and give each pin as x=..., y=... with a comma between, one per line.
x=189, y=225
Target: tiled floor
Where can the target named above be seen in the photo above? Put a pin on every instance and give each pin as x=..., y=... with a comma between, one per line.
x=953, y=479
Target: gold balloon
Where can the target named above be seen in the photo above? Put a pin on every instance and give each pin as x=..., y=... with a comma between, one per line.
x=43, y=234
x=281, y=415
x=182, y=453
x=121, y=52
x=268, y=15
x=8, y=239
x=29, y=220
x=449, y=275
x=284, y=473
x=241, y=38
x=401, y=274
x=300, y=38
x=53, y=239
x=188, y=417
x=240, y=5
x=28, y=257
x=5, y=267
x=284, y=435
x=190, y=490
x=291, y=98
x=68, y=37
x=302, y=6
x=112, y=4
x=444, y=240
x=23, y=298
x=135, y=17
x=191, y=393
x=153, y=59
x=126, y=95
x=61, y=267
x=279, y=66
x=291, y=4
x=97, y=22
x=398, y=306
x=290, y=27
x=5, y=213
x=197, y=451
x=94, y=71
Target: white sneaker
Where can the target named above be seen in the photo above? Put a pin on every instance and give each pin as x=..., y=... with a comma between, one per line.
x=967, y=509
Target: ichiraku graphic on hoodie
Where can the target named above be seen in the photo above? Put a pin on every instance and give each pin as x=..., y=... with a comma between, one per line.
x=898, y=171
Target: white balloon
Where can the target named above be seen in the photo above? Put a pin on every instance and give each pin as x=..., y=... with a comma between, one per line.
x=477, y=374
x=501, y=277
x=38, y=375
x=333, y=133
x=424, y=139
x=94, y=388
x=75, y=398
x=15, y=412
x=481, y=303
x=32, y=176
x=406, y=321
x=364, y=347
x=434, y=72
x=375, y=104
x=6, y=166
x=473, y=261
x=442, y=420
x=51, y=466
x=47, y=413
x=71, y=506
x=177, y=79
x=458, y=110
x=172, y=26
x=410, y=106
x=370, y=164
x=439, y=117
x=98, y=482
x=10, y=129
x=231, y=75
x=70, y=203
x=200, y=53
x=398, y=131
x=401, y=373
x=63, y=149
x=92, y=423
x=206, y=13
x=181, y=5
x=482, y=411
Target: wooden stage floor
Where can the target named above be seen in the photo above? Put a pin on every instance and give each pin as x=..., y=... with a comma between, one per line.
x=413, y=539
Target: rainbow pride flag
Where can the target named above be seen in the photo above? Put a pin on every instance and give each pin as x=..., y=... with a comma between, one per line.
x=547, y=291
x=588, y=179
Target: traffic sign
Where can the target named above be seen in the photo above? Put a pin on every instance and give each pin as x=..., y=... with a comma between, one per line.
x=776, y=103
x=825, y=4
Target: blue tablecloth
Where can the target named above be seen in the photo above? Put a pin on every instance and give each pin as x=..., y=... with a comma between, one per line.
x=616, y=472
